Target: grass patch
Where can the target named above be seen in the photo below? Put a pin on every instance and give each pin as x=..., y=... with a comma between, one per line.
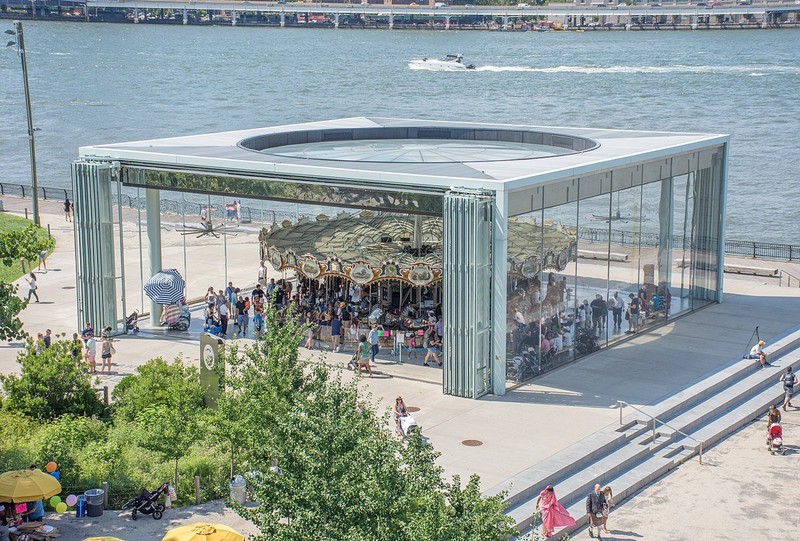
x=9, y=222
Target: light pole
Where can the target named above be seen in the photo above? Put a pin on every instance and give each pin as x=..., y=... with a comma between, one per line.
x=20, y=43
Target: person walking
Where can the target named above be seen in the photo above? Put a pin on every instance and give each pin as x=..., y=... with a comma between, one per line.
x=32, y=286
x=362, y=355
x=67, y=209
x=773, y=416
x=633, y=314
x=106, y=351
x=399, y=411
x=373, y=342
x=336, y=333
x=91, y=354
x=789, y=380
x=554, y=515
x=594, y=509
x=433, y=349
x=609, y=497
x=616, y=305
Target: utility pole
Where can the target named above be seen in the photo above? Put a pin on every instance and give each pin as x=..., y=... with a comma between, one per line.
x=31, y=130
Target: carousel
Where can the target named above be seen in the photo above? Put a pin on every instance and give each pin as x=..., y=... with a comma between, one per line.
x=388, y=266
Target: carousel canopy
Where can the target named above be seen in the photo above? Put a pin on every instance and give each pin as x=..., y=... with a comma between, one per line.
x=369, y=247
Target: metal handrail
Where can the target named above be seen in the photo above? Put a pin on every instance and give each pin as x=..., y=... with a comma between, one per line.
x=789, y=278
x=622, y=403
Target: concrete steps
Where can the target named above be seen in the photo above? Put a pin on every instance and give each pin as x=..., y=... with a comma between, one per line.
x=626, y=457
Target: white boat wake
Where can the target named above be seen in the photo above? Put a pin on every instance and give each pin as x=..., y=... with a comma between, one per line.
x=754, y=71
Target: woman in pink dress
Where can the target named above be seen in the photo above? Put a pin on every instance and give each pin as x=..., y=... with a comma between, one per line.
x=553, y=513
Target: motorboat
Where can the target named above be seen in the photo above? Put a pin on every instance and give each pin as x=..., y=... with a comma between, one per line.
x=451, y=62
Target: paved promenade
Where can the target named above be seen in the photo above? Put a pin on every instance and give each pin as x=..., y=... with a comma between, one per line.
x=527, y=425
x=739, y=492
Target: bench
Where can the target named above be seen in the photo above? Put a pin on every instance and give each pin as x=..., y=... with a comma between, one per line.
x=754, y=271
x=603, y=256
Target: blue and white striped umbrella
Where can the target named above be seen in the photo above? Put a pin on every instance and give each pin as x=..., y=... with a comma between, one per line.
x=165, y=287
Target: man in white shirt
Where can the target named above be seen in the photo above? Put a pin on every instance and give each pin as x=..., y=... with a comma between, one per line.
x=756, y=352
x=224, y=311
x=616, y=305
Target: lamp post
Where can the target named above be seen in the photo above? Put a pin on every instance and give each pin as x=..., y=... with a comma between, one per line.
x=20, y=43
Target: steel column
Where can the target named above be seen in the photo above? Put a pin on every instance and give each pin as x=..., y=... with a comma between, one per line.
x=153, y=217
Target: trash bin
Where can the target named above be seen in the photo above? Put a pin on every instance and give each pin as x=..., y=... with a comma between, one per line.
x=94, y=502
x=238, y=488
x=80, y=507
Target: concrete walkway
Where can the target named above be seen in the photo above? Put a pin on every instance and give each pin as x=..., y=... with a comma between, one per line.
x=739, y=492
x=527, y=425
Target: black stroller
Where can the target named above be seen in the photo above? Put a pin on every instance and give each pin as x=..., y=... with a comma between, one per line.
x=147, y=503
x=131, y=322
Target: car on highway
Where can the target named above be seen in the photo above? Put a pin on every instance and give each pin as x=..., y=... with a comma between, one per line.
x=715, y=4
x=523, y=6
x=701, y=4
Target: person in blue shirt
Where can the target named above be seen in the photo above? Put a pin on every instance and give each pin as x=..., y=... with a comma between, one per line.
x=35, y=511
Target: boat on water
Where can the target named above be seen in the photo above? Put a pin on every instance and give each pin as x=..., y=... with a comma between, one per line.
x=451, y=62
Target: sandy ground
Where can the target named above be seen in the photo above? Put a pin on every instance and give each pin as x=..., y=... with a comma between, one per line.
x=119, y=523
x=740, y=491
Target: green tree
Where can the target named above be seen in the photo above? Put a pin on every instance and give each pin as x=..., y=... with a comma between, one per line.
x=169, y=432
x=338, y=472
x=51, y=383
x=10, y=307
x=27, y=244
x=158, y=383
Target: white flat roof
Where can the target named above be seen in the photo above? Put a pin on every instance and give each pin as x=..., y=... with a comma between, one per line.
x=222, y=152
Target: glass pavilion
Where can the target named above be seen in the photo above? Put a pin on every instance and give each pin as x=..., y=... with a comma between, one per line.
x=626, y=226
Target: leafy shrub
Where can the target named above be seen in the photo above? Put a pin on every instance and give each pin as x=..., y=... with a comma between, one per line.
x=51, y=383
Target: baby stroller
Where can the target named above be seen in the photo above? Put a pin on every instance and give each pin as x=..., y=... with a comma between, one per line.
x=177, y=317
x=409, y=425
x=147, y=503
x=775, y=439
x=131, y=322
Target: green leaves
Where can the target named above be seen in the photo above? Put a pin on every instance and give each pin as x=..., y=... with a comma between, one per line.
x=10, y=307
x=341, y=473
x=158, y=383
x=52, y=383
x=27, y=243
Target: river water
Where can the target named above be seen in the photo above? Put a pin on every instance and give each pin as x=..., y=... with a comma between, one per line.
x=102, y=83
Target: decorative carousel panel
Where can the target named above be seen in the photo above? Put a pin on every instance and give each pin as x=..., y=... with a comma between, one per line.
x=310, y=267
x=361, y=273
x=421, y=275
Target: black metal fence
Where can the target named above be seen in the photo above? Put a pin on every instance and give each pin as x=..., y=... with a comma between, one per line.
x=742, y=248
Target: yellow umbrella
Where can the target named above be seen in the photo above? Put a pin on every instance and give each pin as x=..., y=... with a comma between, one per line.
x=202, y=531
x=27, y=486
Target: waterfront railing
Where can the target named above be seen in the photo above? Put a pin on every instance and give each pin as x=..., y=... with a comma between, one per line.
x=248, y=214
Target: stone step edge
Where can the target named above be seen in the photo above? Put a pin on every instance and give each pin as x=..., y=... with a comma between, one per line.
x=609, y=437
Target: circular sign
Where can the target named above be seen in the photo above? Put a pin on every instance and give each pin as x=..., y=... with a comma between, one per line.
x=209, y=357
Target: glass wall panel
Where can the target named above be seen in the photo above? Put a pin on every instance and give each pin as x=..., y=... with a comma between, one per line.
x=680, y=298
x=706, y=234
x=654, y=250
x=624, y=269
x=524, y=294
x=559, y=244
x=591, y=282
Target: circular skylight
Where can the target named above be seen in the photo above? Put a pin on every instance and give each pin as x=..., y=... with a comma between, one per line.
x=416, y=151
x=417, y=144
